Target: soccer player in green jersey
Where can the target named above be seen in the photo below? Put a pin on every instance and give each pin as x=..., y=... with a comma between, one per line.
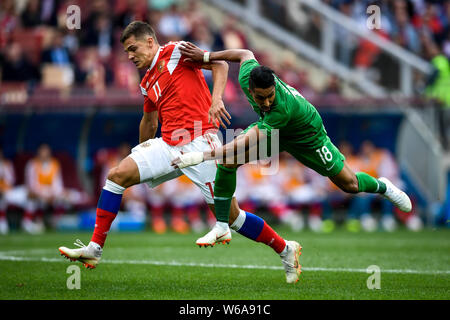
x=286, y=115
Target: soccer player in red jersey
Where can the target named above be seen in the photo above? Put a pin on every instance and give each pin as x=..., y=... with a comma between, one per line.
x=176, y=94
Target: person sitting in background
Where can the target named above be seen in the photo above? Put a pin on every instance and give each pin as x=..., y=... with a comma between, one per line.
x=91, y=72
x=100, y=35
x=16, y=66
x=31, y=16
x=381, y=161
x=7, y=179
x=43, y=180
x=57, y=53
x=43, y=188
x=403, y=32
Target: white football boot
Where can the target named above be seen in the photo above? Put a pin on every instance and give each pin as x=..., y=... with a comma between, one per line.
x=220, y=233
x=396, y=196
x=89, y=255
x=290, y=261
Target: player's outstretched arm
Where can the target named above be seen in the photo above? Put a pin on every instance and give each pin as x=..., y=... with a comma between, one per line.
x=217, y=112
x=231, y=153
x=232, y=55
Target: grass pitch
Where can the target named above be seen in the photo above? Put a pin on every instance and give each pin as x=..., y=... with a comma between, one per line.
x=171, y=267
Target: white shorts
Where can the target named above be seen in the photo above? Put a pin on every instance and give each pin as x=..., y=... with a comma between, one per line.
x=154, y=156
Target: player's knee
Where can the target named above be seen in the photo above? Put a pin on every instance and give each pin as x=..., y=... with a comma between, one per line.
x=119, y=176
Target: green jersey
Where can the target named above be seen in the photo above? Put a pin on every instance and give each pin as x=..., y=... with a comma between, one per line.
x=297, y=120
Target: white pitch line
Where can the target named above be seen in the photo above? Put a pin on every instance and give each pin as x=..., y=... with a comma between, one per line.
x=229, y=266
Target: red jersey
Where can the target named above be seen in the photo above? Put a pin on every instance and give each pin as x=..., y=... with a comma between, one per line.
x=178, y=91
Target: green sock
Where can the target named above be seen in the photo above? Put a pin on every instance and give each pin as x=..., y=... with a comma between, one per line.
x=367, y=183
x=224, y=188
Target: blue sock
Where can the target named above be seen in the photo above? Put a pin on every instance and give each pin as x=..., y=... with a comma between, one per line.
x=256, y=229
x=252, y=226
x=107, y=207
x=109, y=201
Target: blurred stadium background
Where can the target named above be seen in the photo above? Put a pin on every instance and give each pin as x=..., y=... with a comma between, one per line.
x=384, y=95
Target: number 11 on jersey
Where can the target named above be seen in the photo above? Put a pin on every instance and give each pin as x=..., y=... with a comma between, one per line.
x=157, y=90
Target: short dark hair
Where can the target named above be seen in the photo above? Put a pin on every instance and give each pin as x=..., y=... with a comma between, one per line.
x=261, y=77
x=137, y=29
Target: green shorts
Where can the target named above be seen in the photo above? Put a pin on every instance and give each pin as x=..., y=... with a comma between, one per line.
x=325, y=159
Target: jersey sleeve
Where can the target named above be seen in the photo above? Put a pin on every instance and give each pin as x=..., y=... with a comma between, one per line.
x=149, y=106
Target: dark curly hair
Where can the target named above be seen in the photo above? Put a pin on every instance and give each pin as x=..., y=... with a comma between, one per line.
x=261, y=77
